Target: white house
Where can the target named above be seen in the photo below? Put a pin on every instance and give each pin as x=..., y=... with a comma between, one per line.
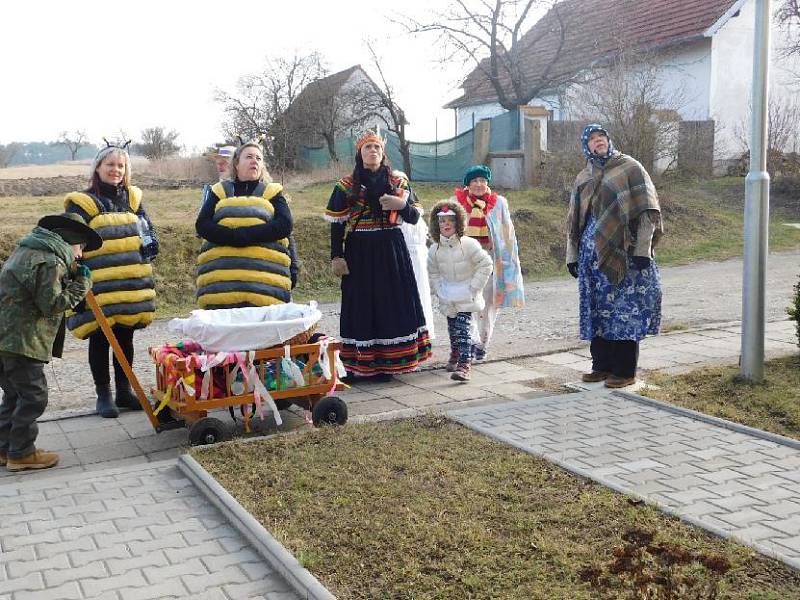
x=705, y=49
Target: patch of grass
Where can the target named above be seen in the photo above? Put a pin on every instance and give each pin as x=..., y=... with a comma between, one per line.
x=676, y=326
x=704, y=221
x=771, y=405
x=424, y=508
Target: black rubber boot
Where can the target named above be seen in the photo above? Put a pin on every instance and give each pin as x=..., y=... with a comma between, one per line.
x=124, y=397
x=105, y=406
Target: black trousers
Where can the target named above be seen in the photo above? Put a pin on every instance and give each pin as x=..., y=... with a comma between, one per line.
x=618, y=357
x=24, y=400
x=98, y=355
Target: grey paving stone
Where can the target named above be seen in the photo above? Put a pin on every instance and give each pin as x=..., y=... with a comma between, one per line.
x=166, y=571
x=57, y=577
x=788, y=525
x=758, y=533
x=118, y=566
x=782, y=509
x=745, y=517
x=721, y=476
x=690, y=495
x=68, y=591
x=775, y=494
x=173, y=588
x=227, y=576
x=791, y=543
x=766, y=481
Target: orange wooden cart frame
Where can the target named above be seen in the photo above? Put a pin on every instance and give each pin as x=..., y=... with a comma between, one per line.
x=187, y=409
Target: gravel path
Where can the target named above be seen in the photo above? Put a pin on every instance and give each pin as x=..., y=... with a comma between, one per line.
x=693, y=295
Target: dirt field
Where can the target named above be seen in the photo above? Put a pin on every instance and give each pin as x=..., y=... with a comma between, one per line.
x=69, y=168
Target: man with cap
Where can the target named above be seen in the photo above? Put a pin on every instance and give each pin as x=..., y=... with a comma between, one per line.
x=222, y=160
x=38, y=282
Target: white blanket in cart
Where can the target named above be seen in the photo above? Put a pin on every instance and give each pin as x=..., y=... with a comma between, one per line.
x=251, y=328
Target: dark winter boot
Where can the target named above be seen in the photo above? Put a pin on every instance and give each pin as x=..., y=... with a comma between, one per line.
x=124, y=397
x=105, y=406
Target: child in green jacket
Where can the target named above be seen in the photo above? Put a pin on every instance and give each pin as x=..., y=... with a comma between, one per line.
x=39, y=281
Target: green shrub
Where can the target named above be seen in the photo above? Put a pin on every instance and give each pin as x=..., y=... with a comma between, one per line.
x=794, y=311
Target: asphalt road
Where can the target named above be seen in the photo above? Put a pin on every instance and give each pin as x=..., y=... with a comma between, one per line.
x=693, y=295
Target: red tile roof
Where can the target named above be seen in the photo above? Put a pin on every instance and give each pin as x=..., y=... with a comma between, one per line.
x=594, y=29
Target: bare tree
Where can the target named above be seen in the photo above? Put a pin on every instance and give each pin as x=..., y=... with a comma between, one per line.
x=158, y=143
x=787, y=15
x=8, y=152
x=73, y=142
x=260, y=102
x=497, y=40
x=381, y=104
x=783, y=122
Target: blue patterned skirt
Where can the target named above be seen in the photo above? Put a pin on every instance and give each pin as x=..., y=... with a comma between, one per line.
x=629, y=310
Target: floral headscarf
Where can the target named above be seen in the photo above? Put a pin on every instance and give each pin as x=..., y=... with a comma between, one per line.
x=596, y=159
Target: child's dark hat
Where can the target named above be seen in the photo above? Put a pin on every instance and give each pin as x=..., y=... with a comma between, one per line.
x=75, y=225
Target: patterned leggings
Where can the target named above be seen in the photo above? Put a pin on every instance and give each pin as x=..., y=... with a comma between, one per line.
x=458, y=328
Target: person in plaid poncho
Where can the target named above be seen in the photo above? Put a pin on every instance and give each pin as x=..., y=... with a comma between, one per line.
x=613, y=225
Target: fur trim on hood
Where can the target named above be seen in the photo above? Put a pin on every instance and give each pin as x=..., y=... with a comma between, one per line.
x=441, y=206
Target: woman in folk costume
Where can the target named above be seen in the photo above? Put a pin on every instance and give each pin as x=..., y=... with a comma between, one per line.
x=121, y=271
x=382, y=324
x=245, y=222
x=489, y=222
x=614, y=222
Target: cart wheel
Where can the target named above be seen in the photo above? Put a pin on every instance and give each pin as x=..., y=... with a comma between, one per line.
x=207, y=431
x=329, y=411
x=283, y=404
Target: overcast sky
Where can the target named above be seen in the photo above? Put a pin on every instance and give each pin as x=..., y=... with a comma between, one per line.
x=103, y=67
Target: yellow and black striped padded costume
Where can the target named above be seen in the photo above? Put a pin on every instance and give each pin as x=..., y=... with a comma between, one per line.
x=122, y=281
x=256, y=275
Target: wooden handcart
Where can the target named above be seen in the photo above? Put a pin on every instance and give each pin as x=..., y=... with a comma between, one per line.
x=185, y=408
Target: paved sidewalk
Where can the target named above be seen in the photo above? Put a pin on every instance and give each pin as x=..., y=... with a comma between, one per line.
x=124, y=534
x=731, y=481
x=686, y=350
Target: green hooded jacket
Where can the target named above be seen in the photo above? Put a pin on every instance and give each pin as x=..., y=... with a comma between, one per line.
x=36, y=288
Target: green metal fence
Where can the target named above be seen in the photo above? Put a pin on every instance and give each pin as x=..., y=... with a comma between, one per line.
x=444, y=160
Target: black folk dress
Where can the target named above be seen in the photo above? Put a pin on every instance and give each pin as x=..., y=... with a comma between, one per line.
x=382, y=323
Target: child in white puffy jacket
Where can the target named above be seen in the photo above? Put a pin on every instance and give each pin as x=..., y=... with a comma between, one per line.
x=459, y=269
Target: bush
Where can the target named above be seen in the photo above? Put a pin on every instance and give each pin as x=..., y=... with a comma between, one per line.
x=794, y=311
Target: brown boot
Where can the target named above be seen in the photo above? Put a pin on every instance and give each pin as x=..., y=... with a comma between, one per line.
x=595, y=376
x=452, y=364
x=461, y=373
x=38, y=460
x=619, y=382
x=3, y=459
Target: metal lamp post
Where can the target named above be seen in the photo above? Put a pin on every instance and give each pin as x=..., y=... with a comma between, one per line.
x=756, y=211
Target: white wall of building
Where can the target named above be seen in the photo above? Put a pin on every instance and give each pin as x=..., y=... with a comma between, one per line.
x=732, y=74
x=467, y=116
x=684, y=76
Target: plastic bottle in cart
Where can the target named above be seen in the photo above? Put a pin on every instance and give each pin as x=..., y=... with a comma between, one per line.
x=147, y=237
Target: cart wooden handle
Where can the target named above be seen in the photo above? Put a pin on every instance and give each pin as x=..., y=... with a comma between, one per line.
x=121, y=358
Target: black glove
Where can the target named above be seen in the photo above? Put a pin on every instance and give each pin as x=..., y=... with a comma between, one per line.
x=573, y=269
x=641, y=262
